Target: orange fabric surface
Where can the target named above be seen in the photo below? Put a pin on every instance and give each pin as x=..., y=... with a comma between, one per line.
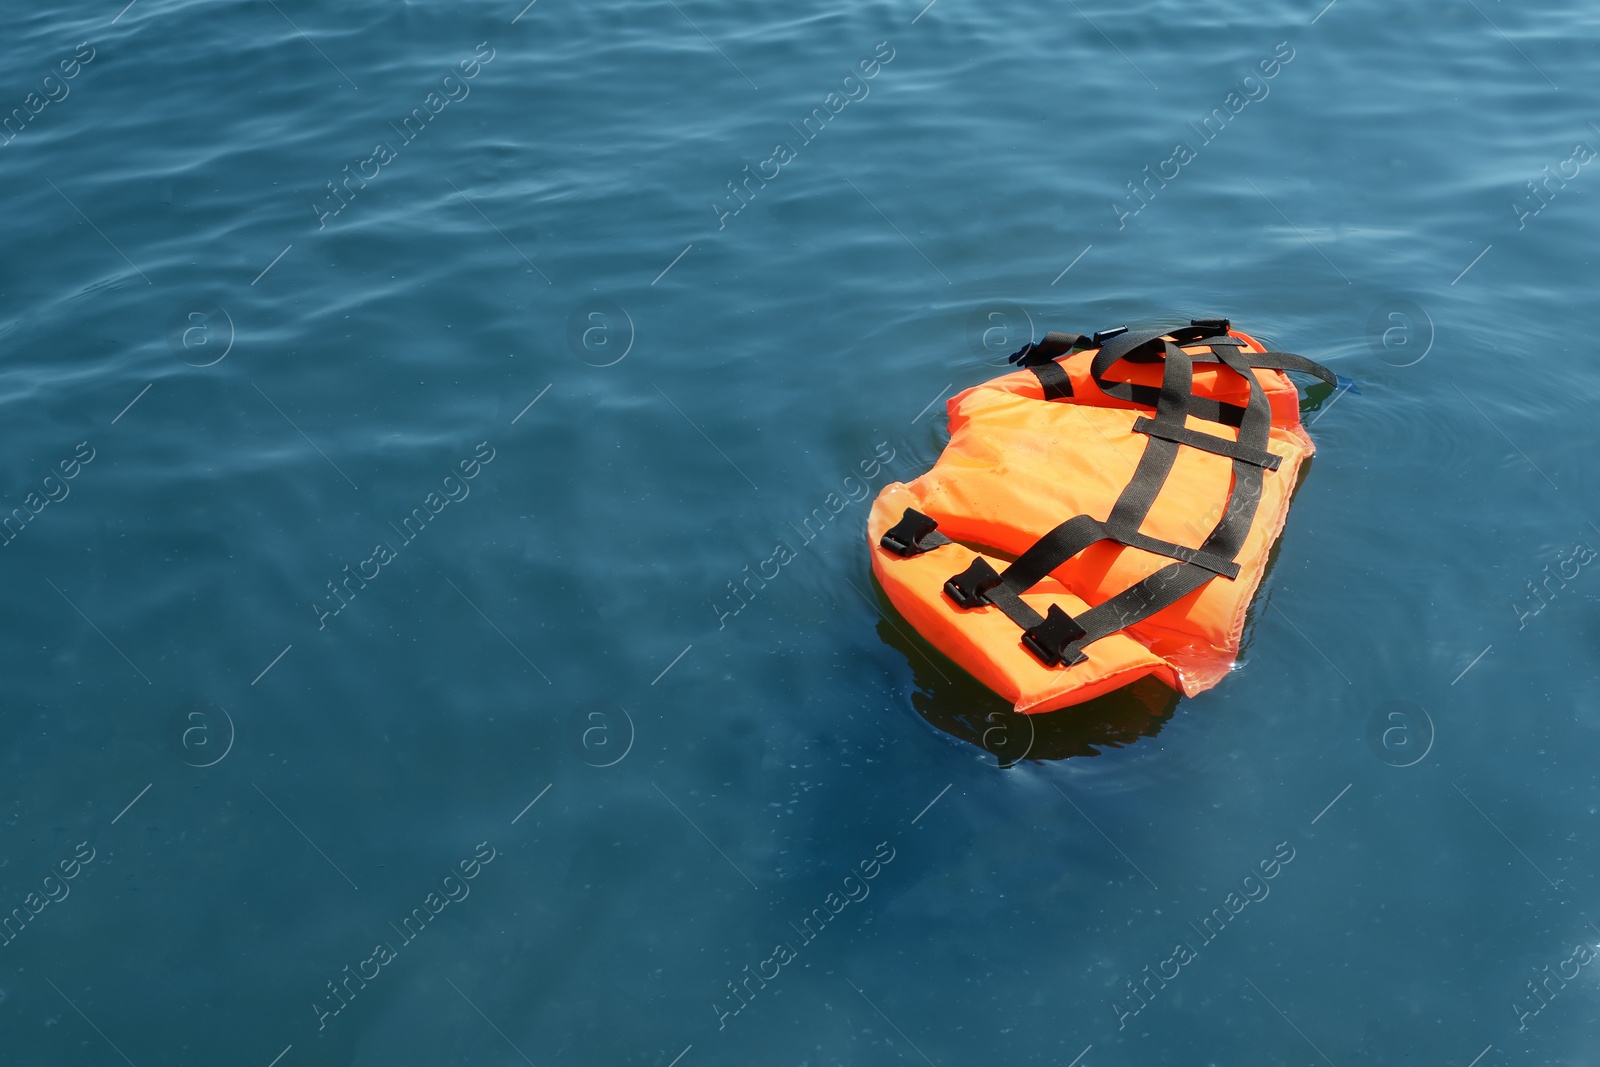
x=1018, y=465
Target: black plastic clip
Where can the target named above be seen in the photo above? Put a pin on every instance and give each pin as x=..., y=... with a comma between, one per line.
x=905, y=537
x=968, y=588
x=1050, y=639
x=1219, y=325
x=1102, y=336
x=1055, y=344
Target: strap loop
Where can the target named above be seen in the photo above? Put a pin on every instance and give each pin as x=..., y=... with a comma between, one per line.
x=1054, y=345
x=1053, y=381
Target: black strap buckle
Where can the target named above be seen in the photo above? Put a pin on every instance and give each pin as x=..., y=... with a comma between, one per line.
x=1055, y=344
x=904, y=538
x=968, y=588
x=1050, y=639
x=1204, y=331
x=1102, y=336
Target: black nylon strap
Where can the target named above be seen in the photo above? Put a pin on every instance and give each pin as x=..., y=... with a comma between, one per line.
x=1058, y=638
x=1015, y=608
x=1109, y=356
x=1057, y=385
x=1290, y=361
x=1255, y=429
x=1139, y=495
x=1155, y=464
x=1124, y=345
x=979, y=584
x=1206, y=442
x=1201, y=407
x=1228, y=536
x=1079, y=532
x=1040, y=357
x=1171, y=584
x=1140, y=348
x=1054, y=345
x=1138, y=602
x=1148, y=395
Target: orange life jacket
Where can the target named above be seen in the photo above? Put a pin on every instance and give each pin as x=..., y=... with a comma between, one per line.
x=1103, y=514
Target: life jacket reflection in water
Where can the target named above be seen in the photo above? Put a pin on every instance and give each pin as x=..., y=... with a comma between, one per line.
x=1104, y=514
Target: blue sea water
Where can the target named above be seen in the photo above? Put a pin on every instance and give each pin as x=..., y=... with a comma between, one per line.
x=399, y=397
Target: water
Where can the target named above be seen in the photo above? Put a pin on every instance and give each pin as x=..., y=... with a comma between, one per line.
x=254, y=782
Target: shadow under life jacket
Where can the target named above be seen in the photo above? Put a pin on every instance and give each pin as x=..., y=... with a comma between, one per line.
x=1106, y=544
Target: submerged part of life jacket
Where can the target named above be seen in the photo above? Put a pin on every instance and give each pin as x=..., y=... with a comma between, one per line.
x=1103, y=514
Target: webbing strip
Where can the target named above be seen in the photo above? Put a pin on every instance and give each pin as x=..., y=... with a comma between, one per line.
x=1015, y=608
x=1140, y=348
x=1136, y=603
x=1043, y=635
x=1291, y=361
x=1081, y=531
x=1218, y=446
x=1171, y=584
x=1055, y=381
x=1059, y=637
